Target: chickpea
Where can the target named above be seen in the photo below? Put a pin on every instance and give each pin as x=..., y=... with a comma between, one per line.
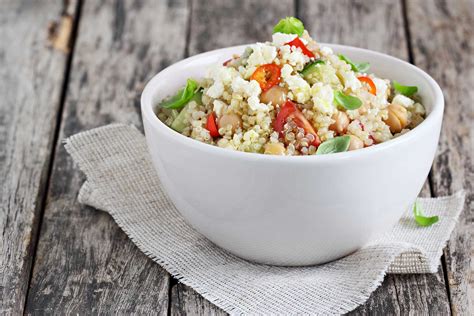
x=341, y=122
x=274, y=149
x=229, y=119
x=397, y=118
x=356, y=143
x=275, y=95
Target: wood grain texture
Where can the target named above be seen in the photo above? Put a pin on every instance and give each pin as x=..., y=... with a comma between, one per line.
x=222, y=23
x=85, y=264
x=373, y=24
x=442, y=37
x=185, y=301
x=31, y=82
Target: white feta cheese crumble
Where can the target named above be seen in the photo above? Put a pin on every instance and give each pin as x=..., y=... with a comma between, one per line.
x=293, y=56
x=402, y=100
x=350, y=80
x=216, y=90
x=219, y=107
x=262, y=54
x=382, y=89
x=325, y=51
x=381, y=86
x=297, y=85
x=323, y=97
x=280, y=39
x=250, y=90
x=221, y=76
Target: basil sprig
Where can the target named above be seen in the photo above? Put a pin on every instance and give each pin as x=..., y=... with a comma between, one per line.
x=422, y=220
x=405, y=90
x=357, y=67
x=289, y=25
x=334, y=145
x=183, y=96
x=311, y=67
x=347, y=101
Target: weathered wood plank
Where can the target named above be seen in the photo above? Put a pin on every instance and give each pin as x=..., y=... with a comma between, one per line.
x=442, y=38
x=85, y=264
x=32, y=78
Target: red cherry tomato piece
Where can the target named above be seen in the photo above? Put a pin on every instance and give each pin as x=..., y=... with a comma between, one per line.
x=370, y=83
x=280, y=120
x=289, y=110
x=298, y=43
x=267, y=76
x=211, y=125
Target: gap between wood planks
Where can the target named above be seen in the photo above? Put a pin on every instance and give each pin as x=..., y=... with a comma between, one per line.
x=411, y=59
x=59, y=40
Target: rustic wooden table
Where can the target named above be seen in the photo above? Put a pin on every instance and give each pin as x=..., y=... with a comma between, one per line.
x=68, y=67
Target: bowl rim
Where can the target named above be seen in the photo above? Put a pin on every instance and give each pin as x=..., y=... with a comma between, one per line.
x=431, y=119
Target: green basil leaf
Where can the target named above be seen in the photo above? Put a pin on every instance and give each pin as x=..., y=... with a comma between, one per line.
x=357, y=67
x=362, y=67
x=347, y=101
x=311, y=67
x=197, y=97
x=334, y=145
x=405, y=90
x=289, y=25
x=182, y=97
x=422, y=220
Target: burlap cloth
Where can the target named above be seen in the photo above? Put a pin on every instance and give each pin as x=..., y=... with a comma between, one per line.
x=122, y=181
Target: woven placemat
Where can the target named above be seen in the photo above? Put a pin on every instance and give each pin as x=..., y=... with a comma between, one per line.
x=122, y=181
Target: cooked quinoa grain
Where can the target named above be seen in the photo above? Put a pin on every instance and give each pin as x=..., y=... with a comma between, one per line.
x=286, y=97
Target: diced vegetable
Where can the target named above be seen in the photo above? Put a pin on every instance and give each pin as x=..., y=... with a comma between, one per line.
x=289, y=110
x=355, y=143
x=347, y=101
x=323, y=73
x=311, y=67
x=370, y=83
x=211, y=125
x=298, y=43
x=174, y=113
x=197, y=97
x=267, y=76
x=183, y=96
x=334, y=145
x=289, y=25
x=179, y=123
x=357, y=67
x=405, y=90
x=422, y=220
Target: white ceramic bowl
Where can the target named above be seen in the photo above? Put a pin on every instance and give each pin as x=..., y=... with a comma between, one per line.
x=299, y=210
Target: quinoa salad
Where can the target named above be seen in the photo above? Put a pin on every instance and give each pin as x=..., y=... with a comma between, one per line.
x=292, y=96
